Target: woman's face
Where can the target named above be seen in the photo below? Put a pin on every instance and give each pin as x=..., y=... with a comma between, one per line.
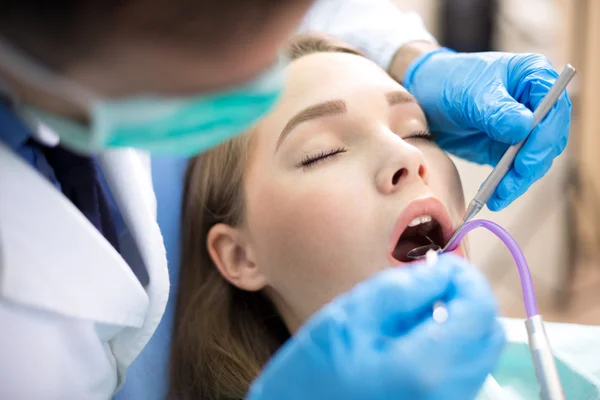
x=337, y=173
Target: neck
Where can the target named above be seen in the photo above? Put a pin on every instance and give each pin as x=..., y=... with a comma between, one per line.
x=291, y=319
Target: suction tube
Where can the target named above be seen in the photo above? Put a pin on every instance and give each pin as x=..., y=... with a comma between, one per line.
x=526, y=281
x=539, y=345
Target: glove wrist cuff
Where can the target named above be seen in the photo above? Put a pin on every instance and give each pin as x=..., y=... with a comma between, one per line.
x=409, y=75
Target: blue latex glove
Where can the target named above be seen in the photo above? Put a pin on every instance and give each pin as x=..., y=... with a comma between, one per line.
x=379, y=341
x=469, y=100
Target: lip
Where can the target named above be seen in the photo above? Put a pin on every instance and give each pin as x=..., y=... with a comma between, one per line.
x=422, y=206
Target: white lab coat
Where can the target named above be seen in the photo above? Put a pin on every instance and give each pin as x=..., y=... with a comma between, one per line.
x=73, y=316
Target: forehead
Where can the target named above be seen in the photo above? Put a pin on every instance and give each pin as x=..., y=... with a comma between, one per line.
x=324, y=76
x=321, y=77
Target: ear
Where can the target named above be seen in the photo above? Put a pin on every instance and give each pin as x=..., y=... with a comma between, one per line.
x=233, y=258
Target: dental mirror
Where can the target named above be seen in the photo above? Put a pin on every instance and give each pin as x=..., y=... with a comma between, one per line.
x=420, y=252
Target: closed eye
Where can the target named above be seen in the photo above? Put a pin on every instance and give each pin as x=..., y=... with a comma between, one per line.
x=424, y=135
x=311, y=160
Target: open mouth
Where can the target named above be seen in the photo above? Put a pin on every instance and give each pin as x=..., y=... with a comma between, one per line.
x=424, y=222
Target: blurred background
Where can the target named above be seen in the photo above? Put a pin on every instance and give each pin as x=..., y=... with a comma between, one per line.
x=557, y=222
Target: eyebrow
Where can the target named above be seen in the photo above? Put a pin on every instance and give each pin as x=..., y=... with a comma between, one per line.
x=328, y=108
x=399, y=97
x=336, y=107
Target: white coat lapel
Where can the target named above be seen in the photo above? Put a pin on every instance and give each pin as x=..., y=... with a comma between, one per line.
x=128, y=175
x=52, y=257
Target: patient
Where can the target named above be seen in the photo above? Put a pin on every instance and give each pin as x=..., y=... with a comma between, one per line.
x=338, y=182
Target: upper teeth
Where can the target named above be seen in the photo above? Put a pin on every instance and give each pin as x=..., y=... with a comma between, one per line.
x=423, y=219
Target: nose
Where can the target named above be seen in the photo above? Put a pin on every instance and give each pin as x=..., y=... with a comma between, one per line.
x=403, y=164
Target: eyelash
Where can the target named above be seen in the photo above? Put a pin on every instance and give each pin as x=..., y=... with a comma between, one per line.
x=425, y=135
x=311, y=160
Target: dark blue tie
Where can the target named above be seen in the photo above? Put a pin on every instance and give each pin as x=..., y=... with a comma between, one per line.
x=78, y=177
x=80, y=182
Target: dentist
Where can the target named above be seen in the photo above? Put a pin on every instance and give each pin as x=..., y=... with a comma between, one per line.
x=88, y=88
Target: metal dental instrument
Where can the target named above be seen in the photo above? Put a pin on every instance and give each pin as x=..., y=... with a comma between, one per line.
x=494, y=178
x=422, y=251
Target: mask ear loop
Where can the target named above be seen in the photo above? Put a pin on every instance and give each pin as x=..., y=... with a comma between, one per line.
x=22, y=66
x=38, y=131
x=8, y=95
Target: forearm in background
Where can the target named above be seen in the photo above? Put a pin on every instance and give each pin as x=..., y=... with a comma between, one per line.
x=406, y=55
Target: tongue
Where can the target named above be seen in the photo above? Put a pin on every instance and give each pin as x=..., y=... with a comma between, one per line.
x=404, y=246
x=412, y=238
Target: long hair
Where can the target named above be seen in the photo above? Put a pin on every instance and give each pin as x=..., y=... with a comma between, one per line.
x=223, y=336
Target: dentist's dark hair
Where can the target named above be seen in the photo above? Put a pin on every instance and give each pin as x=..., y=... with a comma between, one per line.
x=59, y=32
x=223, y=336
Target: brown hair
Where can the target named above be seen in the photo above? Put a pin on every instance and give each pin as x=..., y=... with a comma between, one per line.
x=223, y=336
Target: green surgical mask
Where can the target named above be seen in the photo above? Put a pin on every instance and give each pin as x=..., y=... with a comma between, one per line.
x=184, y=126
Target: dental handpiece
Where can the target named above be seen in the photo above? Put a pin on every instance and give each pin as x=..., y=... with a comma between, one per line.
x=543, y=360
x=493, y=180
x=539, y=345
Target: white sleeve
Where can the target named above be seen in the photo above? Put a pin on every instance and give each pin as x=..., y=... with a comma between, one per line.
x=377, y=27
x=47, y=356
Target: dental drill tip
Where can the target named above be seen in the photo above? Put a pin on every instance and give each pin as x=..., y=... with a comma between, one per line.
x=454, y=235
x=473, y=209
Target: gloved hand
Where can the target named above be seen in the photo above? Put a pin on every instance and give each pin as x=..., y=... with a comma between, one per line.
x=469, y=100
x=379, y=340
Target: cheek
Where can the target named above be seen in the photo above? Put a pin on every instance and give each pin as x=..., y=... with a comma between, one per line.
x=309, y=237
x=303, y=222
x=444, y=180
